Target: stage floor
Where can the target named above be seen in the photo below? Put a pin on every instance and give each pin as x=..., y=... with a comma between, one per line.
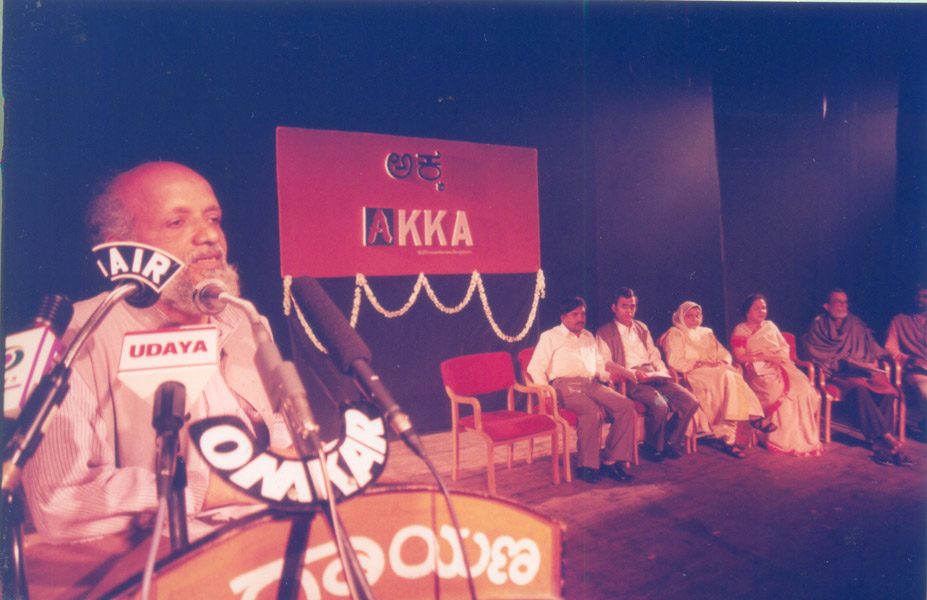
x=711, y=526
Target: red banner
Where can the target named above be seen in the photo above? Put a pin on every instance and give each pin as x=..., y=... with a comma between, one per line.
x=387, y=205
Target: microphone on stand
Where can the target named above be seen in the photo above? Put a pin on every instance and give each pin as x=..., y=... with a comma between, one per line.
x=32, y=353
x=141, y=272
x=352, y=355
x=167, y=419
x=289, y=397
x=281, y=381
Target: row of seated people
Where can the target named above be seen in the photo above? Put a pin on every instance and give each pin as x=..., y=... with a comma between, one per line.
x=756, y=391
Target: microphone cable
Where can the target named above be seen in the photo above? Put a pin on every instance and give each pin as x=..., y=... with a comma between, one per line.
x=153, y=549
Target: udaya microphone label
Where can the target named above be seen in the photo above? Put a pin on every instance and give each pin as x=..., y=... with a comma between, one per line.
x=188, y=355
x=146, y=264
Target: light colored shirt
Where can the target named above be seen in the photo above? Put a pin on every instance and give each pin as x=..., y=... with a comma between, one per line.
x=74, y=488
x=635, y=353
x=561, y=353
x=640, y=352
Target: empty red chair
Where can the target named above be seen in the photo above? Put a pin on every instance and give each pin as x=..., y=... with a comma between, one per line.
x=467, y=377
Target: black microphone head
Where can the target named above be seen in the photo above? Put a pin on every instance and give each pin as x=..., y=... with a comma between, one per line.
x=206, y=296
x=143, y=296
x=336, y=333
x=55, y=312
x=169, y=405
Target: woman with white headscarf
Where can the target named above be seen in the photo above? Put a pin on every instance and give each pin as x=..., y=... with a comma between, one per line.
x=726, y=402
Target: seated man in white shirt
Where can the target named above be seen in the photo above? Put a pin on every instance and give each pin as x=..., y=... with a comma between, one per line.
x=566, y=358
x=630, y=354
x=93, y=473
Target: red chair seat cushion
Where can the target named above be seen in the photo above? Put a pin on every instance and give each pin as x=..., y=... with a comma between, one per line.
x=503, y=425
x=833, y=391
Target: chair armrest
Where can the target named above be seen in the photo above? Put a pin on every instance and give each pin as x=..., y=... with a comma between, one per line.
x=472, y=401
x=820, y=377
x=893, y=369
x=547, y=397
x=530, y=390
x=810, y=368
x=678, y=376
x=620, y=385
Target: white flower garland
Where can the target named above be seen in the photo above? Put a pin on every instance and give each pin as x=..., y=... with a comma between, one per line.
x=476, y=282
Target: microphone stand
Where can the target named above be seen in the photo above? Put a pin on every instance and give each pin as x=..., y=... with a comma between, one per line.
x=32, y=424
x=167, y=420
x=177, y=507
x=48, y=394
x=281, y=380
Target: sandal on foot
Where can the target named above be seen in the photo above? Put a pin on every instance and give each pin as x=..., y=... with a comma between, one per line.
x=736, y=451
x=891, y=442
x=902, y=459
x=883, y=457
x=757, y=424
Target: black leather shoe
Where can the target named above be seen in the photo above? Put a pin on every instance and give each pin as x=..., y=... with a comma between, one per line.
x=672, y=452
x=587, y=474
x=616, y=472
x=653, y=455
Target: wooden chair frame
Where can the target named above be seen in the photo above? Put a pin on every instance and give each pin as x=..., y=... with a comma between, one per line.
x=491, y=443
x=900, y=408
x=817, y=375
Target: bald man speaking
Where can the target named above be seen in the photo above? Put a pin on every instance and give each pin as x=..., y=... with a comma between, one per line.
x=93, y=474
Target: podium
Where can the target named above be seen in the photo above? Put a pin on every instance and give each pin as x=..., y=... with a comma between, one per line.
x=403, y=538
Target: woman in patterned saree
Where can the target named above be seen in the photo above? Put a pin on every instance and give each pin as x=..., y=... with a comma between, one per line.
x=790, y=401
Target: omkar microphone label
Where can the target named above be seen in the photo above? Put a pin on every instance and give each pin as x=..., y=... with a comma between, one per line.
x=353, y=461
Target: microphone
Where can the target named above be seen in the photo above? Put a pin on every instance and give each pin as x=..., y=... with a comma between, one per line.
x=167, y=419
x=143, y=296
x=55, y=312
x=207, y=296
x=281, y=381
x=32, y=353
x=352, y=355
x=45, y=399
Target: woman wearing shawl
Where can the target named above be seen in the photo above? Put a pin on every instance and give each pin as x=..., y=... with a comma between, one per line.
x=845, y=349
x=726, y=403
x=790, y=401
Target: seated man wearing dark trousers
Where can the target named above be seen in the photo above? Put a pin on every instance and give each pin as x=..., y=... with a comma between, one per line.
x=844, y=348
x=630, y=354
x=566, y=358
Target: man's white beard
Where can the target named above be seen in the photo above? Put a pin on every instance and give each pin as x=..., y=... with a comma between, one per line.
x=178, y=294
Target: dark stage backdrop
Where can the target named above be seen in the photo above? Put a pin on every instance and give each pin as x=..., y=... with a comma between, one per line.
x=658, y=221
x=807, y=161
x=701, y=122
